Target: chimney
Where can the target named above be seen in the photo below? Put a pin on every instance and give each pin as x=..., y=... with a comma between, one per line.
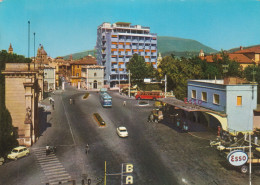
x=241, y=48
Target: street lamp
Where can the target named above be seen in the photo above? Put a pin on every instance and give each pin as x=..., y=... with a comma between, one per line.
x=28, y=39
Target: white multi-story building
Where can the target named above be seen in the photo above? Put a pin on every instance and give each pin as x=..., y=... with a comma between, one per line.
x=116, y=44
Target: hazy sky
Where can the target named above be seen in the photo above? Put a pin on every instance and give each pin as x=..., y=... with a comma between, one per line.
x=69, y=26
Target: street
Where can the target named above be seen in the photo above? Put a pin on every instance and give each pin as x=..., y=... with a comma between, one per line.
x=160, y=154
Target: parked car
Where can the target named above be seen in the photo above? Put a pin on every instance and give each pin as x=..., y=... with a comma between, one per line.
x=122, y=132
x=2, y=160
x=18, y=152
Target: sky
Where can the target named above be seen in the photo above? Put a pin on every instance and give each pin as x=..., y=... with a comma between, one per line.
x=69, y=26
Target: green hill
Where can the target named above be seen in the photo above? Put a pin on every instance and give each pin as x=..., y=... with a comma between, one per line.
x=237, y=49
x=82, y=54
x=166, y=46
x=170, y=44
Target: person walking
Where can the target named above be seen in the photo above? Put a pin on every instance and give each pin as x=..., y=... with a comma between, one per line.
x=87, y=148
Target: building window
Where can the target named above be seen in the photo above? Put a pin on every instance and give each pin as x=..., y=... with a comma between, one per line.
x=95, y=74
x=204, y=96
x=239, y=100
x=216, y=99
x=193, y=94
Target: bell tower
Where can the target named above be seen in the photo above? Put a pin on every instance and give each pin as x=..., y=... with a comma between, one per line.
x=10, y=50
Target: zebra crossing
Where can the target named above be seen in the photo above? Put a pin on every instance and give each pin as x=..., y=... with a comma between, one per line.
x=54, y=171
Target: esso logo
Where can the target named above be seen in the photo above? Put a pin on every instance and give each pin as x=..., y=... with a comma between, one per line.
x=237, y=158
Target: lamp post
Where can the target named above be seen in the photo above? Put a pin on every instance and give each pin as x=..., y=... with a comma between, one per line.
x=129, y=79
x=34, y=49
x=119, y=80
x=28, y=39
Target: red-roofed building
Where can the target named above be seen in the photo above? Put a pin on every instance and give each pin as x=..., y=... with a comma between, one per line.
x=244, y=57
x=76, y=67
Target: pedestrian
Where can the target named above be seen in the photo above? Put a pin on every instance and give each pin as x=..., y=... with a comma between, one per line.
x=124, y=103
x=87, y=148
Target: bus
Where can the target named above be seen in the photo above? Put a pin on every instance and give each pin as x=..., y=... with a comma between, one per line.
x=105, y=100
x=148, y=95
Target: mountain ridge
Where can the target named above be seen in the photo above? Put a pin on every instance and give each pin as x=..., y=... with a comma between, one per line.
x=165, y=45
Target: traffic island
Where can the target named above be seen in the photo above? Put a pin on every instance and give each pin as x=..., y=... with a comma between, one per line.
x=85, y=96
x=99, y=120
x=143, y=103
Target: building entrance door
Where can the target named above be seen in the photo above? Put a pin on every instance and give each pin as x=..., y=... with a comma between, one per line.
x=95, y=84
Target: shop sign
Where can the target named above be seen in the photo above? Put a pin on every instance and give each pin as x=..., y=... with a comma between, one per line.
x=237, y=158
x=193, y=101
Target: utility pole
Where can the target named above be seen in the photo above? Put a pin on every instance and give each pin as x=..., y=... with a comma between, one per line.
x=105, y=178
x=34, y=49
x=28, y=39
x=129, y=78
x=119, y=80
x=250, y=156
x=165, y=86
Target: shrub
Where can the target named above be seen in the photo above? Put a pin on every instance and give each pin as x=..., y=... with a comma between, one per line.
x=101, y=122
x=86, y=96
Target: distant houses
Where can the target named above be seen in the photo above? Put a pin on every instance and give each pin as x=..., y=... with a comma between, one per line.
x=244, y=57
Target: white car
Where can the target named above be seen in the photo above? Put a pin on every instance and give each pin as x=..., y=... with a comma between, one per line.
x=18, y=152
x=122, y=132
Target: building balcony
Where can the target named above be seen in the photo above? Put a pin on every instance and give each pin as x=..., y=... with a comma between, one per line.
x=127, y=47
x=128, y=40
x=154, y=41
x=114, y=66
x=153, y=60
x=141, y=41
x=113, y=46
x=113, y=59
x=153, y=54
x=134, y=40
x=134, y=47
x=129, y=53
x=147, y=60
x=121, y=46
x=142, y=53
x=114, y=39
x=122, y=53
x=127, y=59
x=114, y=53
x=140, y=47
x=153, y=48
x=147, y=47
x=120, y=59
x=121, y=40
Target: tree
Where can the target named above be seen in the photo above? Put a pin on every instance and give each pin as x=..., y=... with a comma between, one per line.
x=178, y=72
x=139, y=69
x=7, y=135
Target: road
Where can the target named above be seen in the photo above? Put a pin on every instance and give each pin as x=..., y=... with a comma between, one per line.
x=160, y=154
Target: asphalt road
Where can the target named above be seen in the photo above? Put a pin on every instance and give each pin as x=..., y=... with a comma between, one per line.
x=159, y=153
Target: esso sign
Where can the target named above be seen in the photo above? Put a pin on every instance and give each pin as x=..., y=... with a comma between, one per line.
x=237, y=158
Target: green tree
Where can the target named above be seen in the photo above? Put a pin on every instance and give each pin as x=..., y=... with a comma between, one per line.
x=139, y=69
x=178, y=72
x=7, y=135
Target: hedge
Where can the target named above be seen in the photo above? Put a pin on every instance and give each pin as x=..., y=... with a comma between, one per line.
x=86, y=96
x=100, y=121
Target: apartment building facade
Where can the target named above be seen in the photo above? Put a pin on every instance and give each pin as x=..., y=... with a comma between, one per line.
x=116, y=44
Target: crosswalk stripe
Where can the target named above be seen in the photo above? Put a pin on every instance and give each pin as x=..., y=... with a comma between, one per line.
x=54, y=167
x=54, y=171
x=50, y=172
